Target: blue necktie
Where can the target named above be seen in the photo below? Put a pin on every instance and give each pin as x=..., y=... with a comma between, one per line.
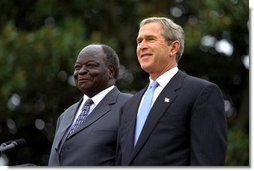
x=82, y=116
x=144, y=109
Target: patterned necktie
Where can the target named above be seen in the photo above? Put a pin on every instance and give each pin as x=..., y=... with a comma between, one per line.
x=82, y=116
x=144, y=109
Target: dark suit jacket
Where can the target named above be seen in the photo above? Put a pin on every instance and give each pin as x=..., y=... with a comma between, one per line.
x=186, y=126
x=94, y=141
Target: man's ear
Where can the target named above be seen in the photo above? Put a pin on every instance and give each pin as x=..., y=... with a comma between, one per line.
x=175, y=46
x=112, y=72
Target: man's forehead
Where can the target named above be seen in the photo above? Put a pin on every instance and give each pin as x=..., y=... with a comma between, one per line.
x=91, y=49
x=149, y=31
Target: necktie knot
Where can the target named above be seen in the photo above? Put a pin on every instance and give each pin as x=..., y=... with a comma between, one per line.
x=88, y=102
x=154, y=84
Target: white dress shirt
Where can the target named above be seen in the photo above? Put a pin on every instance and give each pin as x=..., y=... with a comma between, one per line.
x=163, y=81
x=96, y=100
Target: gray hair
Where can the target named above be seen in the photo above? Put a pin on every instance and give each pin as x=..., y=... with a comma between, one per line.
x=170, y=31
x=112, y=59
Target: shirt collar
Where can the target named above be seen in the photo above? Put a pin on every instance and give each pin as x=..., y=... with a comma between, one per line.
x=166, y=77
x=98, y=97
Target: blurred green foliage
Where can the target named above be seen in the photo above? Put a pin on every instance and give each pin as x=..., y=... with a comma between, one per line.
x=40, y=40
x=238, y=148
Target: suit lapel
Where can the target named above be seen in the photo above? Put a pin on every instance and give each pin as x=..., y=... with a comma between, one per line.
x=164, y=100
x=66, y=123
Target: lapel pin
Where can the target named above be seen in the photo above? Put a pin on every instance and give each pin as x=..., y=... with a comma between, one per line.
x=167, y=100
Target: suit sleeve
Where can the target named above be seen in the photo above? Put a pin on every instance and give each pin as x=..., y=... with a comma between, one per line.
x=208, y=128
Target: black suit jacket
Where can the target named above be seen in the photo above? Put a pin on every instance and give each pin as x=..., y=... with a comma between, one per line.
x=186, y=126
x=94, y=141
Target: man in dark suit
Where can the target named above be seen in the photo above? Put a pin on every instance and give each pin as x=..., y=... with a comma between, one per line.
x=92, y=140
x=186, y=125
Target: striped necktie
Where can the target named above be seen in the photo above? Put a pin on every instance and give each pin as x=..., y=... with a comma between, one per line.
x=82, y=116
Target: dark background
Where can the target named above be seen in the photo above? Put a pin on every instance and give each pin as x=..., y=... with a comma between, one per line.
x=40, y=40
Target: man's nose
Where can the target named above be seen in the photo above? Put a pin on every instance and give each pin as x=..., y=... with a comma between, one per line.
x=83, y=70
x=142, y=44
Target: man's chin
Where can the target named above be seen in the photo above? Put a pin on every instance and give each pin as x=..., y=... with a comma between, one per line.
x=84, y=89
x=145, y=68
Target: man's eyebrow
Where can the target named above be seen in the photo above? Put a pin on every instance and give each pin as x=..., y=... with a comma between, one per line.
x=146, y=36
